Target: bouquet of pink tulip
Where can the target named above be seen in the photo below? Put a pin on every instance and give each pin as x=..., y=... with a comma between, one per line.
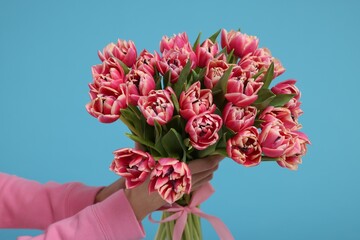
x=191, y=101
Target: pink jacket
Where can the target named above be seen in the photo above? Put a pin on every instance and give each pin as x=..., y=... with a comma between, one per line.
x=65, y=211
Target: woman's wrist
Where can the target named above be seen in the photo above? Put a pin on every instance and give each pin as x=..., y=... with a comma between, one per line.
x=107, y=191
x=142, y=202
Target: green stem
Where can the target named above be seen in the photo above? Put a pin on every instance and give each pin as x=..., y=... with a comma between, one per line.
x=163, y=233
x=171, y=225
x=187, y=233
x=197, y=226
x=269, y=159
x=168, y=226
x=167, y=229
x=192, y=226
x=160, y=232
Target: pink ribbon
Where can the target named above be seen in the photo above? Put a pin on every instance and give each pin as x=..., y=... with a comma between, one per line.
x=181, y=213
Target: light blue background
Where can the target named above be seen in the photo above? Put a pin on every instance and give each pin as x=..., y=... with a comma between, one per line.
x=48, y=47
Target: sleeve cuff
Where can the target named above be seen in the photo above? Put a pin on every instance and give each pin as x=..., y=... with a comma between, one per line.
x=80, y=196
x=118, y=219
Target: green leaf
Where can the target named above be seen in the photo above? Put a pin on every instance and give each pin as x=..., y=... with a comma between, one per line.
x=175, y=123
x=229, y=133
x=218, y=111
x=214, y=36
x=190, y=82
x=223, y=51
x=269, y=76
x=197, y=41
x=258, y=74
x=281, y=99
x=137, y=118
x=129, y=124
x=194, y=74
x=222, y=141
x=123, y=65
x=158, y=131
x=220, y=151
x=156, y=150
x=135, y=110
x=265, y=96
x=207, y=152
x=219, y=99
x=130, y=120
x=201, y=74
x=175, y=102
x=222, y=84
x=148, y=131
x=127, y=113
x=140, y=140
x=157, y=79
x=173, y=144
x=229, y=56
x=258, y=122
x=166, y=79
x=160, y=148
x=180, y=84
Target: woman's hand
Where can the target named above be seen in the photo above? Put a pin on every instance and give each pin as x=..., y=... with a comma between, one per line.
x=144, y=203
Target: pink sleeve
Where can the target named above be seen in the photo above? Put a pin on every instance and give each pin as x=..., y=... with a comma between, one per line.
x=112, y=219
x=29, y=204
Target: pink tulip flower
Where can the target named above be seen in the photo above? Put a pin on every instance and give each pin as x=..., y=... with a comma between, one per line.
x=273, y=114
x=238, y=118
x=180, y=41
x=242, y=91
x=241, y=43
x=260, y=59
x=134, y=165
x=157, y=105
x=292, y=157
x=171, y=179
x=206, y=52
x=107, y=108
x=139, y=83
x=203, y=130
x=274, y=139
x=288, y=87
x=125, y=51
x=195, y=101
x=244, y=147
x=109, y=74
x=146, y=62
x=174, y=60
x=215, y=70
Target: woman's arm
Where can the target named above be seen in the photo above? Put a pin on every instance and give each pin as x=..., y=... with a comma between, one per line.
x=29, y=204
x=111, y=219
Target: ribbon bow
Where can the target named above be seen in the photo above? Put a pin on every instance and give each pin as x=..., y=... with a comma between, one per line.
x=181, y=213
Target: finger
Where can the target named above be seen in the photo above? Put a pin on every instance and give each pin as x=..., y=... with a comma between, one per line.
x=202, y=175
x=199, y=184
x=204, y=164
x=203, y=178
x=138, y=146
